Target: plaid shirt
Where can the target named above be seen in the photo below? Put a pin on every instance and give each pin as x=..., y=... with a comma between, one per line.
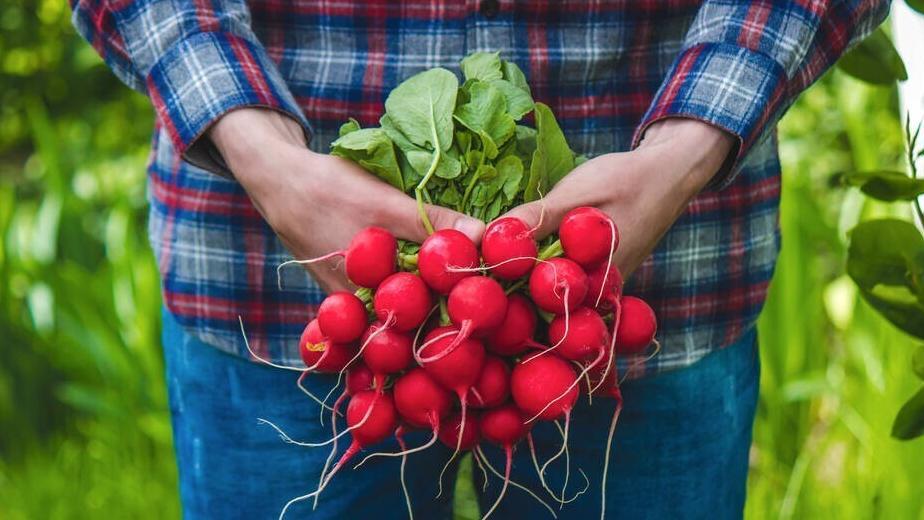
x=607, y=68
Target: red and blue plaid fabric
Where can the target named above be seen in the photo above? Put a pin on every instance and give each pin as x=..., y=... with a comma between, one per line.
x=607, y=68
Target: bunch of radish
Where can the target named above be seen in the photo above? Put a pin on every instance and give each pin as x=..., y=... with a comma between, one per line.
x=476, y=346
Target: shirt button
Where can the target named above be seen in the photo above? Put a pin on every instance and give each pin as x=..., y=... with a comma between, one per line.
x=489, y=8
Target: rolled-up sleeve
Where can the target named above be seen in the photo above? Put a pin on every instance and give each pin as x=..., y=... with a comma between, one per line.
x=195, y=63
x=743, y=63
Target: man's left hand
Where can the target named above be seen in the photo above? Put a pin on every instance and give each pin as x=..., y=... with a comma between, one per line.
x=645, y=191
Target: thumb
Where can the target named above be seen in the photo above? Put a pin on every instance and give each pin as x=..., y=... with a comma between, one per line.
x=407, y=224
x=445, y=218
x=538, y=215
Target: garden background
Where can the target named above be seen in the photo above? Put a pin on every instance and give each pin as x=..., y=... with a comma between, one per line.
x=84, y=426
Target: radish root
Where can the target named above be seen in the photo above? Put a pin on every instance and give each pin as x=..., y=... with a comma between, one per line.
x=483, y=459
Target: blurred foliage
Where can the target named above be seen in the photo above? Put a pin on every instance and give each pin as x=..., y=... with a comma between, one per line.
x=83, y=417
x=84, y=425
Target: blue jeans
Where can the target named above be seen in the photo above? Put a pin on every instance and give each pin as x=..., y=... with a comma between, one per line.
x=680, y=451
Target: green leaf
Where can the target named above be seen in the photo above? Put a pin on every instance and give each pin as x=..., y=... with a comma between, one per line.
x=450, y=196
x=886, y=185
x=510, y=171
x=485, y=66
x=514, y=75
x=884, y=259
x=397, y=136
x=552, y=159
x=909, y=423
x=874, y=60
x=448, y=168
x=917, y=362
x=373, y=150
x=917, y=5
x=519, y=102
x=486, y=114
x=351, y=125
x=421, y=108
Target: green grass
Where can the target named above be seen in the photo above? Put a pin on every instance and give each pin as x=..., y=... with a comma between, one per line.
x=84, y=429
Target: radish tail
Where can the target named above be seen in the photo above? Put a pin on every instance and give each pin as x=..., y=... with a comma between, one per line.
x=257, y=356
x=484, y=460
x=617, y=315
x=461, y=334
x=564, y=335
x=403, y=453
x=484, y=473
x=285, y=437
x=606, y=458
x=560, y=451
x=641, y=362
x=347, y=455
x=609, y=261
x=333, y=449
x=508, y=453
x=463, y=402
x=307, y=392
x=407, y=495
x=302, y=262
x=576, y=382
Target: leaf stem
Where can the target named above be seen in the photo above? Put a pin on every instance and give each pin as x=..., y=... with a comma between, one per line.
x=422, y=187
x=551, y=250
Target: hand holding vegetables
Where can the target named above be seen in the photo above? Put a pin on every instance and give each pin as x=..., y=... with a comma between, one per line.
x=517, y=329
x=315, y=202
x=644, y=191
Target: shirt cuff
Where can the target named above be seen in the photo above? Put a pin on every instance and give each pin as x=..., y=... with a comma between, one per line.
x=725, y=85
x=207, y=75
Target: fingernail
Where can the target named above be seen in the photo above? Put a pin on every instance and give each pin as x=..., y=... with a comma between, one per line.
x=470, y=227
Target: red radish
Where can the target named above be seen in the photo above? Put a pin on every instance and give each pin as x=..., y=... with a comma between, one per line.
x=454, y=363
x=370, y=257
x=546, y=388
x=452, y=427
x=385, y=351
x=421, y=403
x=446, y=257
x=371, y=418
x=637, y=326
x=557, y=284
x=604, y=286
x=342, y=317
x=588, y=236
x=583, y=338
x=504, y=427
x=322, y=355
x=515, y=335
x=509, y=248
x=493, y=385
x=477, y=305
x=540, y=387
x=403, y=301
x=358, y=379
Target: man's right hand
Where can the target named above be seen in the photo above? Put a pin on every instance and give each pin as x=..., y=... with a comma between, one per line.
x=317, y=202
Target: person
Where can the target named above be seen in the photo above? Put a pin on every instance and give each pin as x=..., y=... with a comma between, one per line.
x=676, y=104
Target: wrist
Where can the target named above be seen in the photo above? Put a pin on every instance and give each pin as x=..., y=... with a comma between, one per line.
x=688, y=149
x=252, y=139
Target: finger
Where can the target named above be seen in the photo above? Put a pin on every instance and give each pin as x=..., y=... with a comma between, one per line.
x=540, y=215
x=405, y=221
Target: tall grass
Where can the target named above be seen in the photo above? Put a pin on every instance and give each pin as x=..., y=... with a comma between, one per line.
x=84, y=428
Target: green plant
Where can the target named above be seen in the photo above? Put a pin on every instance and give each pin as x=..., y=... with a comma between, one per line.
x=886, y=260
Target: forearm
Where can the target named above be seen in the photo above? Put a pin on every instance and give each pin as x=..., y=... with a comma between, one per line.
x=691, y=153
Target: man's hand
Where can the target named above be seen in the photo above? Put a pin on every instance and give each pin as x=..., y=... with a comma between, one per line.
x=644, y=190
x=317, y=202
